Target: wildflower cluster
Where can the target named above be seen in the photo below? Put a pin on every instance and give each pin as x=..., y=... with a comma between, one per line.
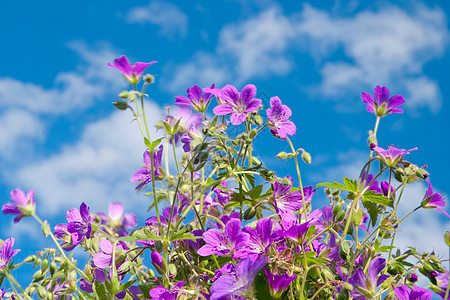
x=225, y=226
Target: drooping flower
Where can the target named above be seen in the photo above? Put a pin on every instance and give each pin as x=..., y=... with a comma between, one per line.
x=196, y=99
x=433, y=200
x=79, y=226
x=23, y=206
x=278, y=283
x=385, y=188
x=365, y=285
x=238, y=284
x=259, y=240
x=442, y=281
x=367, y=180
x=117, y=219
x=235, y=103
x=7, y=252
x=382, y=104
x=391, y=156
x=132, y=73
x=278, y=115
x=224, y=243
x=144, y=175
x=404, y=292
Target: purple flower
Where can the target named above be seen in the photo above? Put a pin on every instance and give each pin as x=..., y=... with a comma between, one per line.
x=7, y=252
x=23, y=206
x=161, y=293
x=194, y=135
x=144, y=175
x=442, y=283
x=392, y=156
x=278, y=283
x=368, y=180
x=196, y=98
x=104, y=259
x=117, y=220
x=235, y=103
x=79, y=227
x=404, y=292
x=278, y=116
x=224, y=243
x=382, y=104
x=433, y=200
x=259, y=240
x=385, y=188
x=238, y=283
x=297, y=232
x=132, y=73
x=366, y=285
x=286, y=202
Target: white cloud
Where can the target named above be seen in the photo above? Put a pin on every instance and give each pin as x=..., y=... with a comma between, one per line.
x=389, y=46
x=168, y=17
x=96, y=169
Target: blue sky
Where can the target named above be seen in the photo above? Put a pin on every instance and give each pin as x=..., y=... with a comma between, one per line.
x=61, y=136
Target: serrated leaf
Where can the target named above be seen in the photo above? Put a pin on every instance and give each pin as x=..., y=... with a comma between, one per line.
x=152, y=145
x=250, y=179
x=255, y=192
x=335, y=185
x=352, y=184
x=99, y=290
x=128, y=238
x=372, y=210
x=376, y=198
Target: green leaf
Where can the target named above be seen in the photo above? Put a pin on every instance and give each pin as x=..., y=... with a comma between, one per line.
x=152, y=145
x=376, y=198
x=352, y=184
x=128, y=238
x=334, y=185
x=99, y=290
x=372, y=210
x=255, y=192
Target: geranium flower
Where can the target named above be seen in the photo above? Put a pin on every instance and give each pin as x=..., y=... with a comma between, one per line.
x=117, y=219
x=235, y=103
x=278, y=116
x=366, y=285
x=433, y=200
x=7, y=252
x=79, y=227
x=196, y=99
x=278, y=283
x=23, y=206
x=103, y=259
x=239, y=283
x=259, y=240
x=161, y=293
x=442, y=283
x=132, y=73
x=392, y=156
x=404, y=292
x=224, y=243
x=144, y=175
x=382, y=104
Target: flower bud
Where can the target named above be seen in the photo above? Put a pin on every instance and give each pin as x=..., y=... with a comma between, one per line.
x=340, y=216
x=344, y=251
x=306, y=157
x=328, y=191
x=256, y=161
x=120, y=105
x=259, y=120
x=124, y=95
x=347, y=286
x=250, y=213
x=422, y=174
x=337, y=209
x=253, y=133
x=52, y=268
x=44, y=265
x=42, y=292
x=282, y=155
x=132, y=97
x=149, y=78
x=412, y=277
x=447, y=238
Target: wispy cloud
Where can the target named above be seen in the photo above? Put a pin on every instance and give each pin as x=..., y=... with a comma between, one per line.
x=389, y=46
x=171, y=20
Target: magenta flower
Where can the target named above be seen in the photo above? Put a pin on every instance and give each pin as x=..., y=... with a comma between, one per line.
x=433, y=200
x=196, y=99
x=79, y=227
x=23, y=206
x=103, y=259
x=392, y=156
x=235, y=103
x=259, y=240
x=7, y=252
x=404, y=292
x=278, y=116
x=382, y=104
x=366, y=285
x=117, y=220
x=161, y=293
x=224, y=243
x=442, y=283
x=132, y=73
x=238, y=284
x=278, y=283
x=144, y=175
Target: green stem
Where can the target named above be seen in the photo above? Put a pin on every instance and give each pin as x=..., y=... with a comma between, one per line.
x=294, y=153
x=11, y=279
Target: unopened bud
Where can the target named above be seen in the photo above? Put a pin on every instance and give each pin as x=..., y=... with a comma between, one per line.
x=259, y=120
x=282, y=155
x=340, y=216
x=250, y=213
x=124, y=95
x=328, y=191
x=447, y=238
x=306, y=157
x=253, y=133
x=256, y=161
x=337, y=209
x=42, y=292
x=149, y=78
x=347, y=286
x=421, y=173
x=120, y=105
